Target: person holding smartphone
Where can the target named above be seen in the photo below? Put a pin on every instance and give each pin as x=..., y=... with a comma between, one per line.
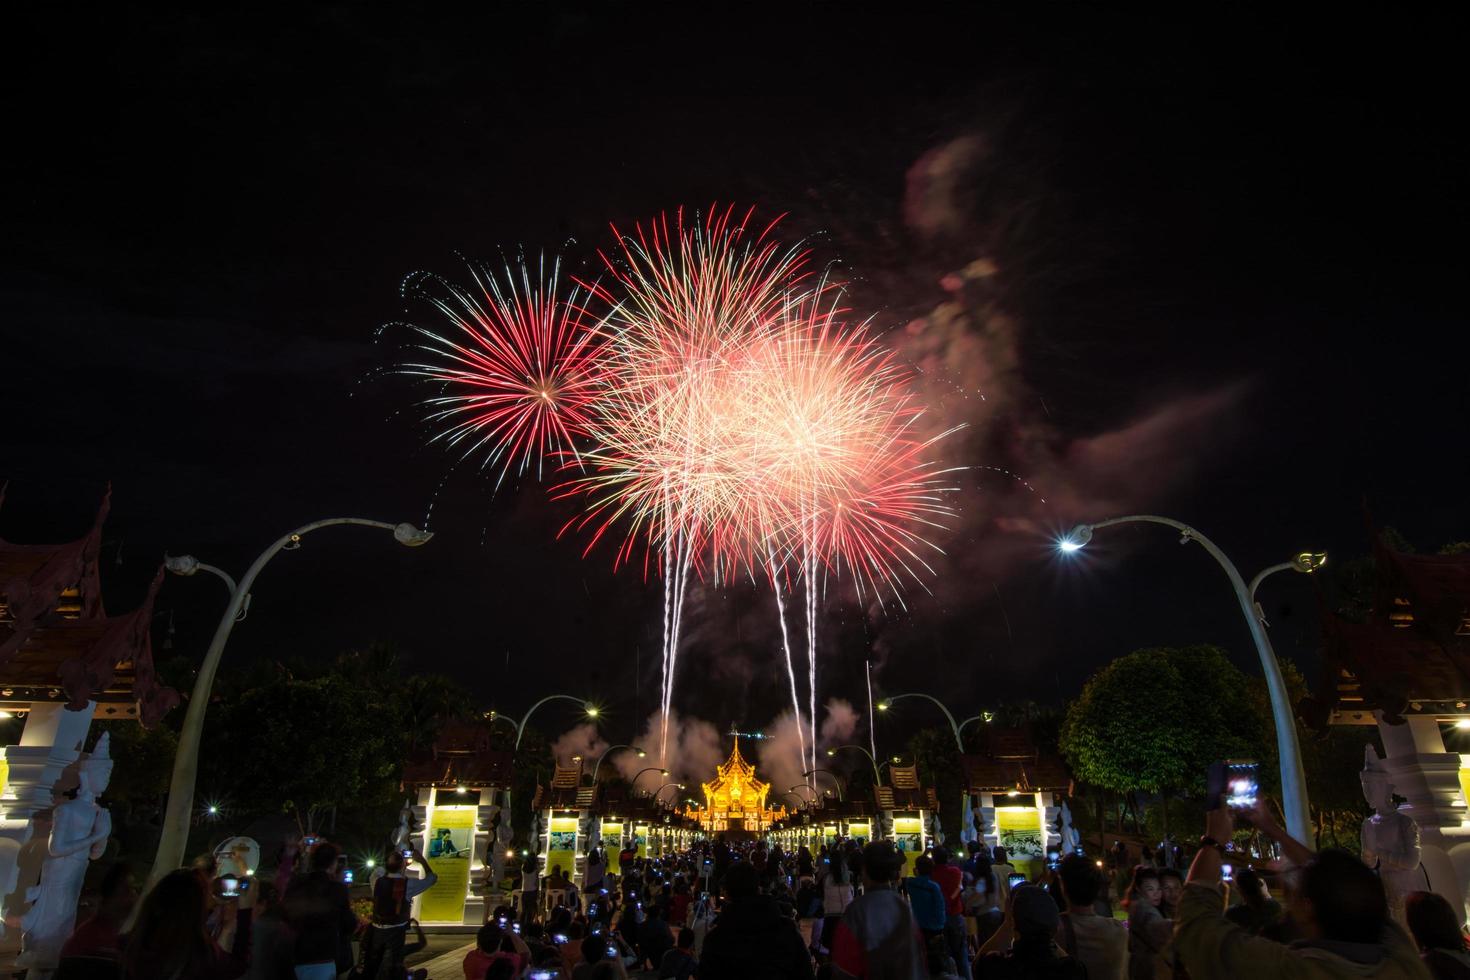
x=318, y=907
x=494, y=943
x=393, y=895
x=1338, y=906
x=1002, y=871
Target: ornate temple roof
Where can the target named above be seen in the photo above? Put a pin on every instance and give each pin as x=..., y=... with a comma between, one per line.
x=735, y=794
x=736, y=776
x=461, y=756
x=1411, y=654
x=56, y=641
x=1012, y=761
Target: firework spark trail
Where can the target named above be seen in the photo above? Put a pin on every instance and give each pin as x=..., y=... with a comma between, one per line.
x=518, y=369
x=721, y=415
x=786, y=648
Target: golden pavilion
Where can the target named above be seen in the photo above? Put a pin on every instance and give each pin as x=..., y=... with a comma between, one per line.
x=735, y=801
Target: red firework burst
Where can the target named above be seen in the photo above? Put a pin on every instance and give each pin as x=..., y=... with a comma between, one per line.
x=517, y=369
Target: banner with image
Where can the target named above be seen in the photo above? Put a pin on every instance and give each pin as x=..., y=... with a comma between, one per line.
x=450, y=847
x=908, y=837
x=612, y=843
x=561, y=846
x=1019, y=829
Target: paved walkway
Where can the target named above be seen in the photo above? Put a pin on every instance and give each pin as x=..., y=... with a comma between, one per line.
x=448, y=965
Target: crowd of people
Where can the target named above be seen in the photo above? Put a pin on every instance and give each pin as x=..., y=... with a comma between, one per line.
x=849, y=909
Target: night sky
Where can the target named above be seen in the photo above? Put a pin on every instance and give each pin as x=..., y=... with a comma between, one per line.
x=1226, y=287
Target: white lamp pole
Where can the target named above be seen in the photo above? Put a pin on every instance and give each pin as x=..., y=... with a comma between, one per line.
x=598, y=764
x=1293, y=779
x=175, y=835
x=956, y=728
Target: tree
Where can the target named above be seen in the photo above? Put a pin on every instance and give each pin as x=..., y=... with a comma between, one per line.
x=327, y=745
x=1155, y=719
x=938, y=760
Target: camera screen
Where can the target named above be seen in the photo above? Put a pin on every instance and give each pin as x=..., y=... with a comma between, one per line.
x=1242, y=792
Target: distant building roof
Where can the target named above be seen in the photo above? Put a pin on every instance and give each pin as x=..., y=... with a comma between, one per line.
x=903, y=791
x=1412, y=651
x=57, y=642
x=1013, y=762
x=462, y=756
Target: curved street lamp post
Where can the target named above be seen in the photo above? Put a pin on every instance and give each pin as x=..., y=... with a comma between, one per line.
x=175, y=833
x=877, y=776
x=1293, y=779
x=605, y=752
x=956, y=728
x=835, y=781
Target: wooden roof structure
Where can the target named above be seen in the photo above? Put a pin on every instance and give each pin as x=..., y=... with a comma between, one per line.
x=1013, y=762
x=565, y=791
x=57, y=643
x=461, y=756
x=1410, y=654
x=903, y=791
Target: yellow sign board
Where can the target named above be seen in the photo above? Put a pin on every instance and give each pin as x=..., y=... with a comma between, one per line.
x=451, y=845
x=908, y=837
x=561, y=846
x=1019, y=830
x=612, y=843
x=860, y=831
x=640, y=839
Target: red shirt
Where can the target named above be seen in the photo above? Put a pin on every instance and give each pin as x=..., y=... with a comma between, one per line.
x=477, y=963
x=679, y=910
x=951, y=882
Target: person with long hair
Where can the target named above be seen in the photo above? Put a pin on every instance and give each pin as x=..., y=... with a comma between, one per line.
x=837, y=895
x=170, y=942
x=1437, y=934
x=1148, y=931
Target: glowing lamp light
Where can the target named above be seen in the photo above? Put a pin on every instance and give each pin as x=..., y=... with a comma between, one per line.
x=511, y=853
x=370, y=863
x=460, y=790
x=1012, y=793
x=1463, y=724
x=882, y=705
x=592, y=710
x=213, y=809
x=831, y=752
x=6, y=714
x=1075, y=539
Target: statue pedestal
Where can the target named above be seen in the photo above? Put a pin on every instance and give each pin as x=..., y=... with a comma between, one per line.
x=49, y=746
x=1428, y=777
